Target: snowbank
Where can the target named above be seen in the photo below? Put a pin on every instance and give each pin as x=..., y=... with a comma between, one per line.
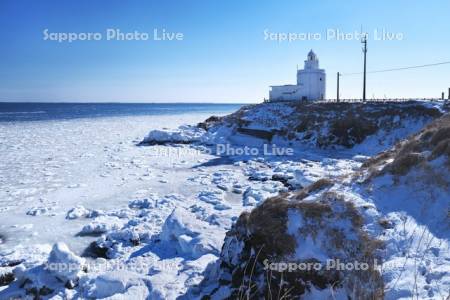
x=80, y=211
x=117, y=285
x=183, y=135
x=409, y=186
x=63, y=269
x=65, y=265
x=189, y=235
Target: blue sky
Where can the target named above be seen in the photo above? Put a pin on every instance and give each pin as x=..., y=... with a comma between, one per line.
x=223, y=56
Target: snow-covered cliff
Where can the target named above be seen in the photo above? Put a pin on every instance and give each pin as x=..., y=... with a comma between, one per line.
x=330, y=125
x=392, y=213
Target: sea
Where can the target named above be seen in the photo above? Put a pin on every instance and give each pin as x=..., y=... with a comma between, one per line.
x=22, y=112
x=55, y=156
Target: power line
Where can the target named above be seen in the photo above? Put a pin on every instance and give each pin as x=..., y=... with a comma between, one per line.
x=397, y=69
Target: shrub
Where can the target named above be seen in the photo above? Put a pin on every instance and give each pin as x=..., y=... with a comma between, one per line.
x=376, y=160
x=352, y=130
x=267, y=226
x=441, y=134
x=404, y=163
x=412, y=146
x=442, y=148
x=261, y=236
x=312, y=188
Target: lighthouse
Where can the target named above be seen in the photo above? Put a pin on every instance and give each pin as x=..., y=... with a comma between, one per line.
x=311, y=83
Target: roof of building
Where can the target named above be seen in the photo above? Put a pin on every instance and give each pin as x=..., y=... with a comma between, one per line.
x=312, y=55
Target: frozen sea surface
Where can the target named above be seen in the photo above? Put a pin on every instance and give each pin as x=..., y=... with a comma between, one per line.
x=51, y=163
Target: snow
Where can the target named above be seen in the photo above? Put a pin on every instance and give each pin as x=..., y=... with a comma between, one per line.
x=418, y=244
x=163, y=211
x=117, y=284
x=183, y=134
x=114, y=192
x=101, y=224
x=316, y=294
x=80, y=211
x=306, y=248
x=64, y=264
x=189, y=235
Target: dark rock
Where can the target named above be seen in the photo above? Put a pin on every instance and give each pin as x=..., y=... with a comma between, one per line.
x=38, y=292
x=95, y=251
x=6, y=279
x=284, y=180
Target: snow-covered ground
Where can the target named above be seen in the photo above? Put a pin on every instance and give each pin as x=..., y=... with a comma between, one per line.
x=71, y=181
x=144, y=222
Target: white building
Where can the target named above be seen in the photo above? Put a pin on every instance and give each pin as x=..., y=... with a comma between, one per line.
x=311, y=83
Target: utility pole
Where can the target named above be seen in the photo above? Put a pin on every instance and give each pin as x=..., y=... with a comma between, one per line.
x=364, y=42
x=337, y=95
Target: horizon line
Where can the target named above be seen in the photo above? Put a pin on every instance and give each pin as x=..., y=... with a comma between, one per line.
x=120, y=102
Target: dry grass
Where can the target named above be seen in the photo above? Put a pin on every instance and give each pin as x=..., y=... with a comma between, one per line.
x=267, y=226
x=329, y=124
x=416, y=152
x=262, y=235
x=351, y=129
x=377, y=160
x=403, y=163
x=440, y=135
x=442, y=148
x=320, y=184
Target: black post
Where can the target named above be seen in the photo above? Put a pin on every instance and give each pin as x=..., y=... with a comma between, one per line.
x=448, y=93
x=337, y=96
x=364, y=41
x=443, y=95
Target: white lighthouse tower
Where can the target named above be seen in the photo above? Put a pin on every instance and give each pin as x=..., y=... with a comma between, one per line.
x=311, y=83
x=312, y=79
